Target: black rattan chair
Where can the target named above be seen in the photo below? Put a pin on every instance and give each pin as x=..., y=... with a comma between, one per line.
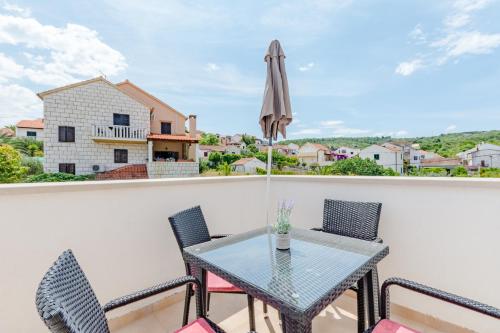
x=385, y=325
x=67, y=304
x=190, y=228
x=358, y=220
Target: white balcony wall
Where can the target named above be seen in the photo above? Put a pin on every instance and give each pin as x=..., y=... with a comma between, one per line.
x=442, y=232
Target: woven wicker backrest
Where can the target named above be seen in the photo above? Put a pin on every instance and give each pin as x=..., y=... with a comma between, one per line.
x=352, y=219
x=66, y=302
x=189, y=227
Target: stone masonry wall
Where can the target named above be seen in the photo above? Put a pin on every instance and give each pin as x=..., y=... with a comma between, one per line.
x=172, y=169
x=82, y=107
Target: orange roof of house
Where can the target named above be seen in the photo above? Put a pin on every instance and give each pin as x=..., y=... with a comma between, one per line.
x=440, y=161
x=319, y=146
x=216, y=148
x=170, y=137
x=35, y=123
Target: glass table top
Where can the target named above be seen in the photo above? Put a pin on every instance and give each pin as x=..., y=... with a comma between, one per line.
x=316, y=263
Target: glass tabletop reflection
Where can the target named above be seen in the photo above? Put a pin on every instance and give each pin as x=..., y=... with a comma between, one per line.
x=316, y=263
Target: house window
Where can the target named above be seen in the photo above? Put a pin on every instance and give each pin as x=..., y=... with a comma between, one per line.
x=120, y=119
x=415, y=158
x=31, y=134
x=376, y=157
x=205, y=154
x=66, y=134
x=67, y=168
x=166, y=128
x=121, y=156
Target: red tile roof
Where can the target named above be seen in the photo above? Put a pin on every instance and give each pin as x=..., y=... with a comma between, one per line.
x=36, y=123
x=171, y=137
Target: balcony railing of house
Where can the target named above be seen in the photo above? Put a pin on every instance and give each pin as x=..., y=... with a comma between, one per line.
x=122, y=133
x=441, y=231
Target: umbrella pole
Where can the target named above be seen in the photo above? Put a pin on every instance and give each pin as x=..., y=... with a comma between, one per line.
x=268, y=180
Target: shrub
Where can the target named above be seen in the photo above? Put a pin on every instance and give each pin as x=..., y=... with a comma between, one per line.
x=490, y=172
x=225, y=169
x=33, y=164
x=459, y=171
x=11, y=168
x=58, y=177
x=215, y=159
x=204, y=166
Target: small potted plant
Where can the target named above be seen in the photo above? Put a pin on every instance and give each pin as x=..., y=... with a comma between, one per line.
x=282, y=227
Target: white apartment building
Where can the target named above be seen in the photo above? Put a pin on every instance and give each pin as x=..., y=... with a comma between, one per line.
x=387, y=157
x=97, y=126
x=32, y=129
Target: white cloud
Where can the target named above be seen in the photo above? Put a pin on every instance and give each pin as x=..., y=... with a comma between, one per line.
x=307, y=131
x=48, y=56
x=75, y=51
x=307, y=67
x=17, y=102
x=12, y=8
x=211, y=67
x=451, y=128
x=331, y=123
x=409, y=67
x=337, y=128
x=454, y=39
x=393, y=134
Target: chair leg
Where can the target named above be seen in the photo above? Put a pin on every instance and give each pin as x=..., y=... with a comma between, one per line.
x=376, y=288
x=251, y=313
x=360, y=295
x=208, y=302
x=187, y=301
x=264, y=308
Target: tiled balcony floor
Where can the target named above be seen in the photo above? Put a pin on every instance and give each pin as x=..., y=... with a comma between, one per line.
x=231, y=314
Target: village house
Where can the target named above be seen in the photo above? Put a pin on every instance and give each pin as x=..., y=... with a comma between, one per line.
x=290, y=149
x=388, y=157
x=248, y=165
x=346, y=152
x=483, y=155
x=418, y=155
x=205, y=150
x=32, y=129
x=96, y=126
x=314, y=153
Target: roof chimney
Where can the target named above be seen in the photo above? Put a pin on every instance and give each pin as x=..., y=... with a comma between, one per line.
x=192, y=126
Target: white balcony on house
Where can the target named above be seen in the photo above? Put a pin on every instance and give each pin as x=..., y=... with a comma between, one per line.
x=115, y=133
x=443, y=232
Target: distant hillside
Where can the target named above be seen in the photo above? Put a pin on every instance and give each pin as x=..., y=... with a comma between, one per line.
x=447, y=145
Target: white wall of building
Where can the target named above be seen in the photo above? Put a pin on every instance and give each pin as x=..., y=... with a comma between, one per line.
x=82, y=107
x=22, y=132
x=120, y=234
x=348, y=151
x=487, y=155
x=386, y=157
x=250, y=166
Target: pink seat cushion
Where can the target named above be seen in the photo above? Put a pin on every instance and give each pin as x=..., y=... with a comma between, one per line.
x=218, y=284
x=198, y=326
x=389, y=326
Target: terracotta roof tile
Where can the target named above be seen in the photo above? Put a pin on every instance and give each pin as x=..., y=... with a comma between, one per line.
x=35, y=123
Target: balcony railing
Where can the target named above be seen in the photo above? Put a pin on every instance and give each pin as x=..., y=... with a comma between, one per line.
x=118, y=133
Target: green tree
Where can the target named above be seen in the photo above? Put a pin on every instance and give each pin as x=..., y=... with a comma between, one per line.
x=209, y=139
x=214, y=158
x=248, y=139
x=252, y=148
x=11, y=169
x=360, y=167
x=204, y=166
x=225, y=169
x=230, y=158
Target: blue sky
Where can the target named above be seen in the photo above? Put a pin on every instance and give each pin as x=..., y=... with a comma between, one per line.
x=355, y=68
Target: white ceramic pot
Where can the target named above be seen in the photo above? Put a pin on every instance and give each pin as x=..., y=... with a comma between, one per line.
x=283, y=241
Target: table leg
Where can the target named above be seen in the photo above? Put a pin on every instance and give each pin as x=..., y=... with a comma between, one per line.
x=290, y=325
x=371, y=302
x=201, y=275
x=361, y=305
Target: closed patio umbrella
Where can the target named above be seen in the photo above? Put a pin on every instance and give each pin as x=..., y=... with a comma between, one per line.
x=276, y=112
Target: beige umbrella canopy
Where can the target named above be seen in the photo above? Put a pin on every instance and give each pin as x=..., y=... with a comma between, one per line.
x=276, y=112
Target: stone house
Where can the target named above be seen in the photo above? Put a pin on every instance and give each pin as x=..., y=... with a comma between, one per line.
x=314, y=153
x=96, y=126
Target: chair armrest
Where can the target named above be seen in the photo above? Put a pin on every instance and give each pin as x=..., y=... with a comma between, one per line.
x=142, y=294
x=378, y=240
x=217, y=236
x=316, y=229
x=435, y=293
